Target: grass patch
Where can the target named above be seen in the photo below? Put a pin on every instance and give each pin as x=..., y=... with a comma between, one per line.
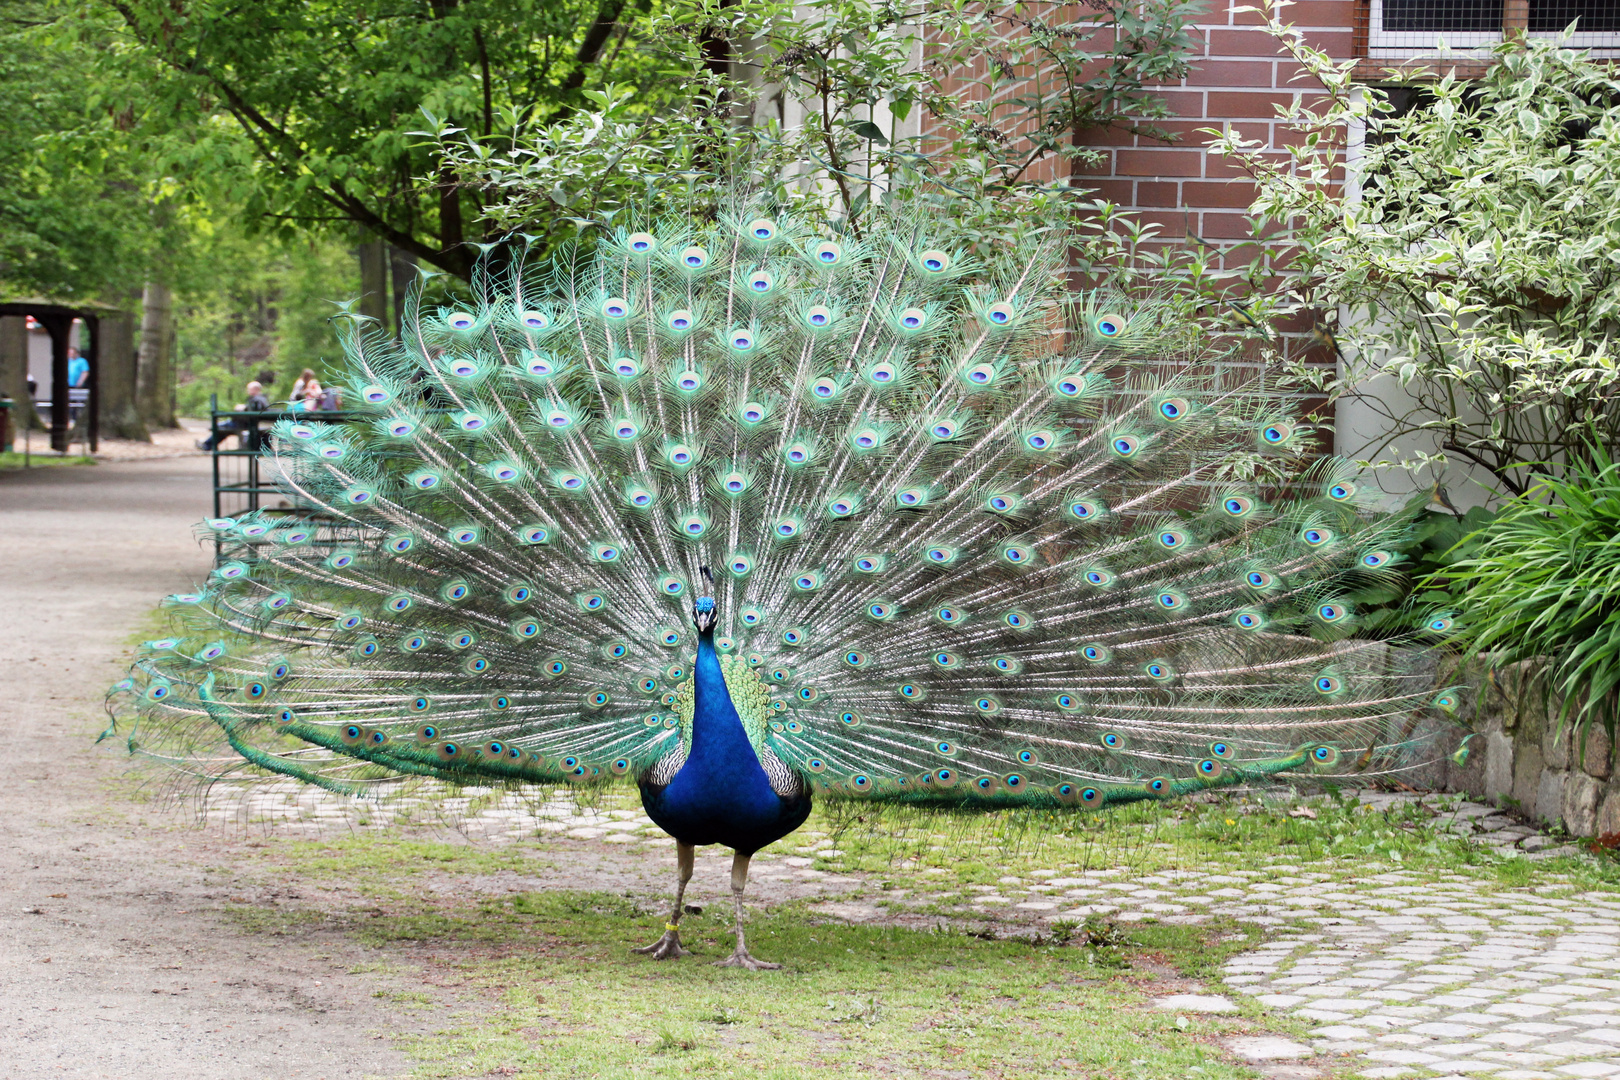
x=13, y=459
x=550, y=988
x=1338, y=835
x=385, y=856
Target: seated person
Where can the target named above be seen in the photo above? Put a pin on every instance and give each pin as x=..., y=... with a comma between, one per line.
x=249, y=429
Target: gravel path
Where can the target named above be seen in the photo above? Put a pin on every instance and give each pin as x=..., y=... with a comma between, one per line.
x=111, y=964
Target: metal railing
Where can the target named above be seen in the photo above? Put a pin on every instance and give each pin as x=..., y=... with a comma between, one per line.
x=242, y=485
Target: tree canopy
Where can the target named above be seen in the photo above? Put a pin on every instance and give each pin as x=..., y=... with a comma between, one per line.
x=304, y=110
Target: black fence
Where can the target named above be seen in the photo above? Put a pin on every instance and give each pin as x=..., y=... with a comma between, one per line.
x=242, y=481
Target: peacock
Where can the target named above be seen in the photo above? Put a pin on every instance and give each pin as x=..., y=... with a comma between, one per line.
x=751, y=511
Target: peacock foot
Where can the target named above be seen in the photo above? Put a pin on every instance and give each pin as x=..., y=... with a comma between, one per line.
x=741, y=959
x=667, y=947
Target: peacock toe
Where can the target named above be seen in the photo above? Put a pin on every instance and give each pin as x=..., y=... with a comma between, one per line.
x=741, y=959
x=667, y=947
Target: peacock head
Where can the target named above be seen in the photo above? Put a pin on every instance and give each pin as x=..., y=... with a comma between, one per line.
x=704, y=613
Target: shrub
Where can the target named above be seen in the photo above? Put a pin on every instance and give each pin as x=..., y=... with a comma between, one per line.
x=1544, y=582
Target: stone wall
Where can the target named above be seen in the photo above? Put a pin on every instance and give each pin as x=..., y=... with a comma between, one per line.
x=1524, y=758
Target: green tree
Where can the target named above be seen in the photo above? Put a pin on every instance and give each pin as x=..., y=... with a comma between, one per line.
x=75, y=219
x=885, y=118
x=322, y=95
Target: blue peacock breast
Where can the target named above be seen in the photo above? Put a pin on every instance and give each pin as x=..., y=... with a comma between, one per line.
x=721, y=785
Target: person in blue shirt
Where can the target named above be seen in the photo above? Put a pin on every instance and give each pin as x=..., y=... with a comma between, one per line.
x=78, y=376
x=78, y=368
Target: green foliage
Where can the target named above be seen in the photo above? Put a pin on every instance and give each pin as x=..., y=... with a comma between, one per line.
x=74, y=219
x=1479, y=266
x=1544, y=581
x=869, y=125
x=301, y=112
x=247, y=304
x=1438, y=541
x=192, y=395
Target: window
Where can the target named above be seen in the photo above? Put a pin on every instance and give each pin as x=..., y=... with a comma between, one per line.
x=1400, y=29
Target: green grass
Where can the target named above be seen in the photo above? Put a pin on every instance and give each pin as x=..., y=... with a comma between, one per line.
x=13, y=459
x=1342, y=839
x=548, y=987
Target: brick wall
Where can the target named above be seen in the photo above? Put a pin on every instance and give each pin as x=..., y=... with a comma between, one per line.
x=1239, y=77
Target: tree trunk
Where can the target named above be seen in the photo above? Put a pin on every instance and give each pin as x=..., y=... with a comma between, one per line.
x=374, y=284
x=403, y=265
x=116, y=384
x=155, y=368
x=14, y=373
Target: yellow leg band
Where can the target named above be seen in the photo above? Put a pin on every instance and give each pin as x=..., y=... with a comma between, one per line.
x=670, y=926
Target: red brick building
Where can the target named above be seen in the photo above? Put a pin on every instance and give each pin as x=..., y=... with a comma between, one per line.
x=1240, y=75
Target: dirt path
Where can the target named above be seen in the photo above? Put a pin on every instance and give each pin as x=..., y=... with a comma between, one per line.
x=113, y=962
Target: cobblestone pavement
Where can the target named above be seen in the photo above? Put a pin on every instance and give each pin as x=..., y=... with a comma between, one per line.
x=1396, y=973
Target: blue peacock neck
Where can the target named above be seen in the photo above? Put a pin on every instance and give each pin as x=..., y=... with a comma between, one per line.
x=718, y=735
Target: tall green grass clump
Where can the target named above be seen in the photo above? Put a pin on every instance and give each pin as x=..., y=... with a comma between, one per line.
x=1544, y=583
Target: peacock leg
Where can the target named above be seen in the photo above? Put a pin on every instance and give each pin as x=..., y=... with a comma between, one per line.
x=668, y=947
x=739, y=956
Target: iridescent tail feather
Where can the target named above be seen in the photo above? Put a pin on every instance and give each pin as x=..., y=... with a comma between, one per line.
x=975, y=541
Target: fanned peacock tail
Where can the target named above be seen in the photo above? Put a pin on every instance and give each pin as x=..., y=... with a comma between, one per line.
x=972, y=540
